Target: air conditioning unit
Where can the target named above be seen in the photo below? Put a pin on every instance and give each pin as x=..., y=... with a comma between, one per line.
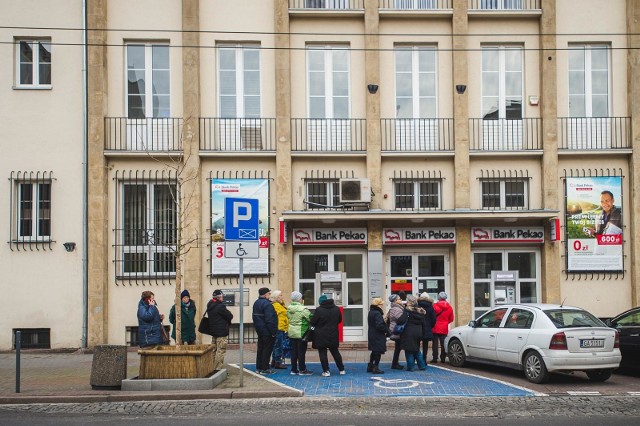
x=355, y=191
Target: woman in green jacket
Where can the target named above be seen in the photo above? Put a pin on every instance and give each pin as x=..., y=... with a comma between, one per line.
x=299, y=317
x=187, y=319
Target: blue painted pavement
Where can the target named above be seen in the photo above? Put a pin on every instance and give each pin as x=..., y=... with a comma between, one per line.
x=434, y=381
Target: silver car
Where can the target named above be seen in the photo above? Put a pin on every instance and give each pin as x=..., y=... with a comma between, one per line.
x=538, y=339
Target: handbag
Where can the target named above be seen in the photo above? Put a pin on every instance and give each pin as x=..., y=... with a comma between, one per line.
x=399, y=328
x=308, y=335
x=203, y=327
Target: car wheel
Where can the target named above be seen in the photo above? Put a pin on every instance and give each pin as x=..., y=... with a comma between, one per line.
x=534, y=369
x=598, y=375
x=456, y=355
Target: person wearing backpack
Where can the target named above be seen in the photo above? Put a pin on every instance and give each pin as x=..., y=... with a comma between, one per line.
x=412, y=334
x=396, y=312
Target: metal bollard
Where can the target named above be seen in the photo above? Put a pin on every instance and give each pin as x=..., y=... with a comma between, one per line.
x=18, y=344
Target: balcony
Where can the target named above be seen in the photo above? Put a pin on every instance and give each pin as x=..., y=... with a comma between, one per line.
x=160, y=135
x=597, y=133
x=416, y=5
x=417, y=135
x=328, y=135
x=246, y=135
x=505, y=135
x=499, y=8
x=323, y=5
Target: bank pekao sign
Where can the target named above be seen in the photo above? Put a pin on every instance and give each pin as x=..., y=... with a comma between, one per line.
x=391, y=236
x=329, y=236
x=480, y=235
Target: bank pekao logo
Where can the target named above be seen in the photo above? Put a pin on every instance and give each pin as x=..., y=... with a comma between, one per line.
x=302, y=236
x=481, y=234
x=391, y=235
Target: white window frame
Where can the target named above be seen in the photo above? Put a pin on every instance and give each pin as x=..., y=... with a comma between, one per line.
x=416, y=74
x=35, y=211
x=150, y=249
x=328, y=71
x=587, y=70
x=35, y=72
x=501, y=4
x=417, y=193
x=414, y=4
x=239, y=89
x=503, y=195
x=502, y=79
x=332, y=192
x=148, y=78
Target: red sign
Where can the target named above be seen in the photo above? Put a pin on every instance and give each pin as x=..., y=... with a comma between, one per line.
x=283, y=232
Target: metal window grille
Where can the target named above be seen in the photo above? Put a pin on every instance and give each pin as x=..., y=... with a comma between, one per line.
x=30, y=210
x=249, y=333
x=504, y=189
x=33, y=338
x=322, y=189
x=417, y=190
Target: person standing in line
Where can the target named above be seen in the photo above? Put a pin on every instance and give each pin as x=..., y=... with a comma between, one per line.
x=219, y=322
x=149, y=321
x=396, y=312
x=325, y=320
x=277, y=358
x=377, y=335
x=444, y=317
x=426, y=303
x=187, y=319
x=413, y=332
x=299, y=317
x=265, y=322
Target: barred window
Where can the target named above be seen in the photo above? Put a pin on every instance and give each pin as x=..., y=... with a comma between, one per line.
x=31, y=202
x=504, y=194
x=417, y=195
x=322, y=193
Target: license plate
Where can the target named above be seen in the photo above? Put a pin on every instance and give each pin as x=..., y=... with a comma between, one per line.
x=592, y=343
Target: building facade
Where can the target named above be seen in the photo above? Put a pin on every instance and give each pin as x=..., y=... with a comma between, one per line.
x=481, y=148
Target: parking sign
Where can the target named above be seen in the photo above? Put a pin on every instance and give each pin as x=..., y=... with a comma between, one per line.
x=241, y=219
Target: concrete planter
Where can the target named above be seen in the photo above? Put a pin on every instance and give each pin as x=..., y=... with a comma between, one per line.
x=173, y=362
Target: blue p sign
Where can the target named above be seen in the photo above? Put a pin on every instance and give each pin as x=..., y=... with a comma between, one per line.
x=241, y=219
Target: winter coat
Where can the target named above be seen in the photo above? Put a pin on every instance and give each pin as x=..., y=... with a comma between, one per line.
x=281, y=312
x=429, y=318
x=265, y=319
x=299, y=317
x=444, y=317
x=395, y=313
x=414, y=330
x=149, y=324
x=219, y=318
x=377, y=330
x=326, y=319
x=187, y=321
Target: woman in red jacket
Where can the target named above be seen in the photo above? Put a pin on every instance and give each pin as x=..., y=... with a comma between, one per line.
x=444, y=317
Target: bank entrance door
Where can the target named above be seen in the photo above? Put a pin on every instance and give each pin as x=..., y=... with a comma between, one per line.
x=415, y=273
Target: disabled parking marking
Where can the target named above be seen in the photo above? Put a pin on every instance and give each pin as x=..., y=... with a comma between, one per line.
x=382, y=383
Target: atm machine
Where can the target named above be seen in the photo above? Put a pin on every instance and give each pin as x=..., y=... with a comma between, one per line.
x=504, y=288
x=332, y=284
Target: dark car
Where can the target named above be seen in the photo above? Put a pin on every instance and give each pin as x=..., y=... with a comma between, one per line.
x=628, y=325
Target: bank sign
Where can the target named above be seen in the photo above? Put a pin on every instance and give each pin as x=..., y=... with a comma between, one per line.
x=480, y=235
x=404, y=236
x=329, y=236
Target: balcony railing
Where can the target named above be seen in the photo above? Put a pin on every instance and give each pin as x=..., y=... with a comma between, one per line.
x=505, y=134
x=327, y=4
x=597, y=133
x=142, y=135
x=328, y=135
x=238, y=134
x=416, y=4
x=417, y=134
x=505, y=5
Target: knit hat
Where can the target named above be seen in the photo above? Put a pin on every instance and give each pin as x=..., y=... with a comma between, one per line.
x=322, y=299
x=218, y=293
x=296, y=296
x=377, y=301
x=425, y=296
x=393, y=298
x=263, y=291
x=185, y=293
x=442, y=296
x=411, y=300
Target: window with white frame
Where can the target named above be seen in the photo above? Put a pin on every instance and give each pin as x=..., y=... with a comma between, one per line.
x=504, y=193
x=33, y=63
x=501, y=4
x=502, y=82
x=239, y=81
x=322, y=193
x=417, y=195
x=33, y=211
x=589, y=80
x=327, y=4
x=328, y=81
x=414, y=4
x=416, y=82
x=148, y=81
x=149, y=228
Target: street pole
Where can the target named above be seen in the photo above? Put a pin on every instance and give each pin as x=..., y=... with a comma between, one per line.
x=18, y=345
x=241, y=321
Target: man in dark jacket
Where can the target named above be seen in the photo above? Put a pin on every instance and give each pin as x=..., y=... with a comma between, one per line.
x=265, y=321
x=426, y=303
x=219, y=322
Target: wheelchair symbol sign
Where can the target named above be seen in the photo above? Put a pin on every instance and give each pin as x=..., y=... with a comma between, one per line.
x=242, y=249
x=397, y=383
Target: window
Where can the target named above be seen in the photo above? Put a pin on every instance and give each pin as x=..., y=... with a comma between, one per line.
x=500, y=4
x=491, y=319
x=589, y=81
x=414, y=4
x=328, y=81
x=34, y=211
x=33, y=338
x=327, y=4
x=504, y=194
x=519, y=318
x=321, y=194
x=239, y=81
x=416, y=82
x=424, y=194
x=33, y=63
x=148, y=85
x=502, y=83
x=149, y=229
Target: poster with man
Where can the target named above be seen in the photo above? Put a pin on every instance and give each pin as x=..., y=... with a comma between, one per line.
x=594, y=224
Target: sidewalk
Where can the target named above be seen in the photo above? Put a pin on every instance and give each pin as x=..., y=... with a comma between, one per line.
x=48, y=377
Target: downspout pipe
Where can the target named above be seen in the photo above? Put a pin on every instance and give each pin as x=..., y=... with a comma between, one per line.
x=85, y=137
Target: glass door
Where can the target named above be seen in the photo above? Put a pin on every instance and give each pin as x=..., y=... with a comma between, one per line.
x=415, y=273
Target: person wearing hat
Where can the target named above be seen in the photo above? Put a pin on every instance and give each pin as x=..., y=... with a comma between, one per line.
x=299, y=316
x=277, y=360
x=444, y=317
x=149, y=321
x=219, y=322
x=325, y=320
x=426, y=303
x=394, y=316
x=187, y=319
x=265, y=321
x=377, y=337
x=412, y=335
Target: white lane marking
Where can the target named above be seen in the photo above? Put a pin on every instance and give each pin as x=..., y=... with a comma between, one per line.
x=535, y=393
x=581, y=393
x=634, y=393
x=268, y=379
x=397, y=383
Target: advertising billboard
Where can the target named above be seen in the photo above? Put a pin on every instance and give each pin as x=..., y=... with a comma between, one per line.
x=594, y=224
